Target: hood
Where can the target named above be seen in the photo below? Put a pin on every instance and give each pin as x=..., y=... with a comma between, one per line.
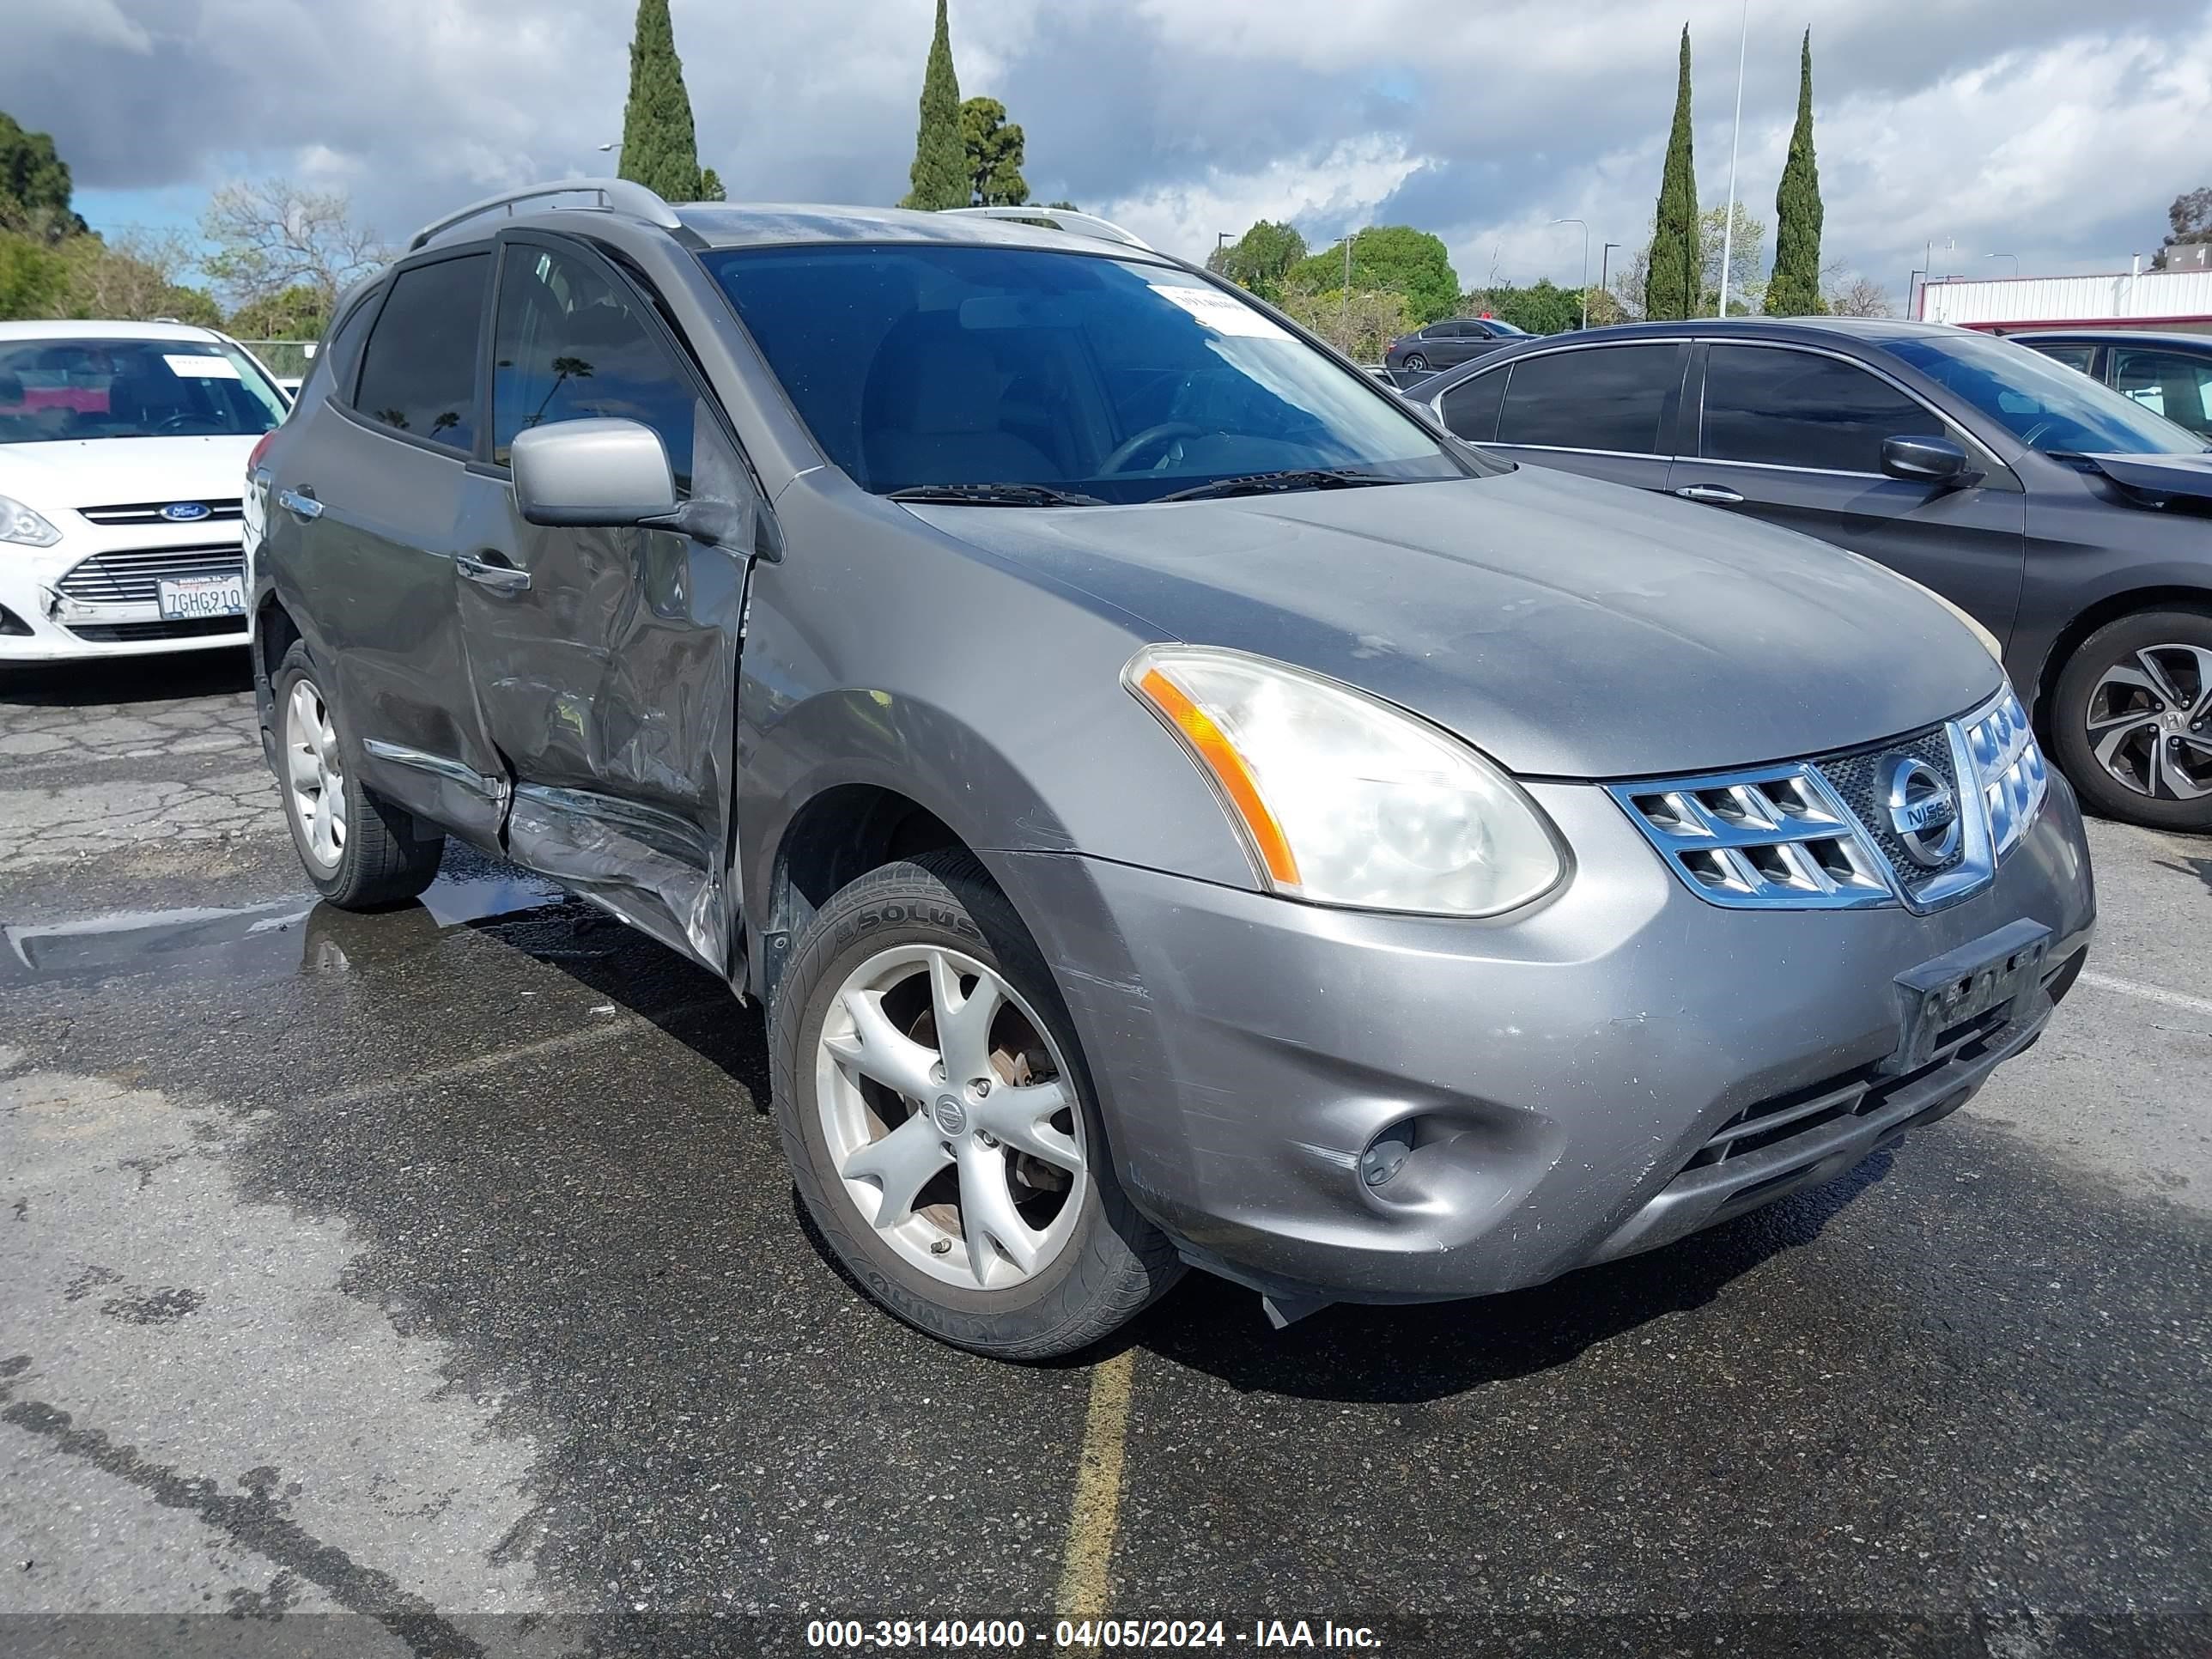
x=2157, y=479
x=1564, y=628
x=99, y=472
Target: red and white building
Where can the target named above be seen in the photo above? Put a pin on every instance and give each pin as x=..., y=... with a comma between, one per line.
x=2178, y=300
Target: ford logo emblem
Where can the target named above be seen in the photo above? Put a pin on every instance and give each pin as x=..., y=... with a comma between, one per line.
x=185, y=512
x=1923, y=813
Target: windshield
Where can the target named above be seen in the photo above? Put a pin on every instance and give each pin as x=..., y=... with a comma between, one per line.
x=60, y=390
x=1121, y=380
x=1499, y=325
x=2045, y=405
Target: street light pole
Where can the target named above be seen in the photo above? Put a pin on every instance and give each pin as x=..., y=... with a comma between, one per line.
x=1604, y=259
x=2014, y=257
x=1727, y=228
x=1585, y=263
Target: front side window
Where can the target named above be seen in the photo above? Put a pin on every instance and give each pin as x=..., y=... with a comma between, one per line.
x=2166, y=383
x=67, y=388
x=573, y=343
x=1774, y=406
x=1605, y=398
x=920, y=366
x=418, y=372
x=1470, y=409
x=2045, y=405
x=2074, y=356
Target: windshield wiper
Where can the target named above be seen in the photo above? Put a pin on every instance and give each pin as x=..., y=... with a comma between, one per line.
x=994, y=495
x=1268, y=483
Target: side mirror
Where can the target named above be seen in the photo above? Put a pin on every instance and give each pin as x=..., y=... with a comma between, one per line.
x=1927, y=460
x=598, y=472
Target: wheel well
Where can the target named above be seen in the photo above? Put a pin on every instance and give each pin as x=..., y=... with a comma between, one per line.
x=275, y=634
x=2111, y=608
x=835, y=839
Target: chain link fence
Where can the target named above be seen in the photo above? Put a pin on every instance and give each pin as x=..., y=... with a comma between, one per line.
x=287, y=359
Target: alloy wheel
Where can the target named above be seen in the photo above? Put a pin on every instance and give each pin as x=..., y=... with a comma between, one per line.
x=2149, y=722
x=950, y=1118
x=1417, y=361
x=314, y=778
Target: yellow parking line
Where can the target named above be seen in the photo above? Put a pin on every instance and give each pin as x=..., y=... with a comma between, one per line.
x=1084, y=1575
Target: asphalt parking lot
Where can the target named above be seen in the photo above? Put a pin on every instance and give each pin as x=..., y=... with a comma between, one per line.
x=439, y=1269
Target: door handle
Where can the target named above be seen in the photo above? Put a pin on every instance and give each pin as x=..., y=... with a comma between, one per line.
x=299, y=503
x=500, y=578
x=1714, y=493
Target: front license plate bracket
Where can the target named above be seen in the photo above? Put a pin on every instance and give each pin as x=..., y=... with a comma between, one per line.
x=1999, y=970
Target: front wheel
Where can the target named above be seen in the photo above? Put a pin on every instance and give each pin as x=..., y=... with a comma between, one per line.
x=2131, y=720
x=361, y=851
x=939, y=1124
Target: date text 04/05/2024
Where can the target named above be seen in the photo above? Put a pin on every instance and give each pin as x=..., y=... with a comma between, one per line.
x=1090, y=1634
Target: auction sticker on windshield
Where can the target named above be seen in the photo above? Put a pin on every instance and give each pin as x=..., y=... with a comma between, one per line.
x=1222, y=314
x=193, y=598
x=201, y=368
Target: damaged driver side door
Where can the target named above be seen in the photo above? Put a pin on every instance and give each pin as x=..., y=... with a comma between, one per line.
x=605, y=661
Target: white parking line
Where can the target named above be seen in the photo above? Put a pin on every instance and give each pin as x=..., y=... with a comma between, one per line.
x=2128, y=987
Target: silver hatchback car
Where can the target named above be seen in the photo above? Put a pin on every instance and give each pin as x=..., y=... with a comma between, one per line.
x=1177, y=803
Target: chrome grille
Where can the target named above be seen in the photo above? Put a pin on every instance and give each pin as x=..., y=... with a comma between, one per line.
x=1816, y=835
x=134, y=577
x=219, y=508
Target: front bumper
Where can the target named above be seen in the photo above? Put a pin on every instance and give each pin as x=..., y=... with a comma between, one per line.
x=43, y=623
x=1569, y=1068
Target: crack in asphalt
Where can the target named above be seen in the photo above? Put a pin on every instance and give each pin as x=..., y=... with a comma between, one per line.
x=250, y=1518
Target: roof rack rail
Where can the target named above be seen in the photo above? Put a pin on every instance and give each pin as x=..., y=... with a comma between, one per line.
x=1067, y=219
x=620, y=194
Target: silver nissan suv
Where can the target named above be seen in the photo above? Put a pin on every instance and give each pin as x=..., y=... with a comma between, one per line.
x=1177, y=803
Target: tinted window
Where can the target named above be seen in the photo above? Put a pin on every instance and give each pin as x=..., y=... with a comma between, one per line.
x=1500, y=328
x=573, y=343
x=2166, y=383
x=2074, y=356
x=2043, y=405
x=1606, y=397
x=63, y=389
x=1470, y=409
x=1784, y=408
x=1115, y=377
x=341, y=353
x=419, y=373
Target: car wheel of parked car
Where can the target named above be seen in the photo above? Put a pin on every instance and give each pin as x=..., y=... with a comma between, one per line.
x=361, y=851
x=1416, y=361
x=939, y=1120
x=2132, y=719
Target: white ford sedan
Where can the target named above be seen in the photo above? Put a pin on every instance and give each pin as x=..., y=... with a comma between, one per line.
x=123, y=455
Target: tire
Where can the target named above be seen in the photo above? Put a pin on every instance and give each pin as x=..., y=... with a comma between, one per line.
x=1417, y=363
x=2133, y=706
x=895, y=926
x=365, y=853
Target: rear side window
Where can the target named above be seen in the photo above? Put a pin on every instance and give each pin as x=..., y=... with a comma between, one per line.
x=418, y=374
x=1775, y=407
x=1606, y=398
x=1470, y=409
x=2167, y=383
x=341, y=353
x=573, y=344
x=2074, y=356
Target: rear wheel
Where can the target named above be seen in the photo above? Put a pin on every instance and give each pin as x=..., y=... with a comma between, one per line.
x=939, y=1124
x=360, y=850
x=1416, y=362
x=2131, y=720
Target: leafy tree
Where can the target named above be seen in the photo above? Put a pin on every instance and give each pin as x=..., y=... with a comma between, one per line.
x=1392, y=259
x=1747, y=291
x=299, y=313
x=34, y=184
x=1794, y=288
x=660, y=149
x=1065, y=207
x=275, y=235
x=1361, y=326
x=1671, y=285
x=1541, y=308
x=710, y=185
x=939, y=177
x=2190, y=218
x=1847, y=295
x=34, y=277
x=137, y=275
x=994, y=147
x=1261, y=258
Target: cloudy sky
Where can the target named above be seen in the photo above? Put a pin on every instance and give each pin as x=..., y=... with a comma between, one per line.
x=2043, y=129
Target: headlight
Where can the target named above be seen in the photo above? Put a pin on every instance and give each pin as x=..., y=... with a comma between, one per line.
x=19, y=524
x=1343, y=800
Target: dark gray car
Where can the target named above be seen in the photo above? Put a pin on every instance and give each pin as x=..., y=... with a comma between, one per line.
x=1449, y=344
x=2074, y=523
x=1176, y=804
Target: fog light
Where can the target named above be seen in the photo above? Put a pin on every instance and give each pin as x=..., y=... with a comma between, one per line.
x=1386, y=1153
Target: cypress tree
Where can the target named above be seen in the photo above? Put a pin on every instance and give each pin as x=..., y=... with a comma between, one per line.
x=1676, y=276
x=1794, y=289
x=940, y=174
x=658, y=149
